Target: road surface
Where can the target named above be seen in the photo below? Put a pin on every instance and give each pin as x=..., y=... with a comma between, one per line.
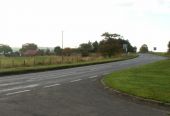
x=71, y=92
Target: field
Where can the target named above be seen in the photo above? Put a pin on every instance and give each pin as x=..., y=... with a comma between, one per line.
x=151, y=81
x=8, y=64
x=11, y=62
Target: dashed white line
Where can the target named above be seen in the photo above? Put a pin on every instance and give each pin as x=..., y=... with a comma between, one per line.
x=51, y=85
x=13, y=83
x=17, y=92
x=92, y=77
x=53, y=77
x=20, y=87
x=75, y=80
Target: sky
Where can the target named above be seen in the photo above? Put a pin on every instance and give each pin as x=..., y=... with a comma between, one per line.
x=42, y=21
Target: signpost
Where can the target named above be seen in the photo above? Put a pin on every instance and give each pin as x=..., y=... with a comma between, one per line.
x=154, y=48
x=125, y=47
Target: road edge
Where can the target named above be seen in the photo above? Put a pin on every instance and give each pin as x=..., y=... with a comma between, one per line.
x=41, y=69
x=136, y=99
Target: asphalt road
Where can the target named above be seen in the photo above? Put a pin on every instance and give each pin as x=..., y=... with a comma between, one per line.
x=71, y=92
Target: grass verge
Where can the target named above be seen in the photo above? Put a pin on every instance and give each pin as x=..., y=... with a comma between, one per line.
x=150, y=81
x=22, y=70
x=161, y=54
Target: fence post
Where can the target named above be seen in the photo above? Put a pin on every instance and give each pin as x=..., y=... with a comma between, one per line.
x=0, y=64
x=77, y=59
x=12, y=63
x=43, y=62
x=50, y=60
x=24, y=62
x=34, y=60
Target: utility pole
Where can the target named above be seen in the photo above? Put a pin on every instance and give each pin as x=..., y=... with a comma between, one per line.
x=62, y=46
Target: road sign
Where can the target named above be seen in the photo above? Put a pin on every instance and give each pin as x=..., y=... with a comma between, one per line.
x=155, y=48
x=125, y=47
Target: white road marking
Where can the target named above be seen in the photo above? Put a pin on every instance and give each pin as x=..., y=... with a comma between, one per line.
x=92, y=77
x=55, y=77
x=6, y=84
x=34, y=77
x=51, y=85
x=18, y=92
x=75, y=80
x=20, y=87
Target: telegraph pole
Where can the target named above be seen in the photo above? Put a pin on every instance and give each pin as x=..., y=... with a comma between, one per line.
x=62, y=46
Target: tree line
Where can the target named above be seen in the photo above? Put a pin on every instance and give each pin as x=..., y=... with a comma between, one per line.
x=110, y=45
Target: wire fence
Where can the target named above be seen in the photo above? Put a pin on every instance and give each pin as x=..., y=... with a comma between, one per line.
x=14, y=62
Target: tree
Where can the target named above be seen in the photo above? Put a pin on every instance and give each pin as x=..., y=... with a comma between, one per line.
x=144, y=48
x=5, y=49
x=95, y=46
x=28, y=46
x=85, y=49
x=111, y=44
x=67, y=51
x=57, y=50
x=107, y=35
x=29, y=49
x=135, y=49
x=169, y=47
x=41, y=52
x=47, y=51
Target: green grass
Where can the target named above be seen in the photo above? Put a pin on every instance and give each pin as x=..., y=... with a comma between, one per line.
x=31, y=67
x=150, y=81
x=161, y=54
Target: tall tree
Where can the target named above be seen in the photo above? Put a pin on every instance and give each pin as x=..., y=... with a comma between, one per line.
x=5, y=49
x=28, y=46
x=57, y=50
x=67, y=51
x=86, y=48
x=47, y=51
x=95, y=46
x=111, y=44
x=144, y=48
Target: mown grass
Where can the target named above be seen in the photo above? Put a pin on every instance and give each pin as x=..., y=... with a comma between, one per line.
x=67, y=64
x=151, y=81
x=161, y=54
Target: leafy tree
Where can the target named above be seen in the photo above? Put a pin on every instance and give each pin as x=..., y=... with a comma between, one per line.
x=95, y=46
x=57, y=50
x=111, y=44
x=41, y=52
x=5, y=49
x=135, y=49
x=67, y=51
x=110, y=47
x=47, y=51
x=107, y=35
x=28, y=46
x=169, y=47
x=86, y=48
x=144, y=48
